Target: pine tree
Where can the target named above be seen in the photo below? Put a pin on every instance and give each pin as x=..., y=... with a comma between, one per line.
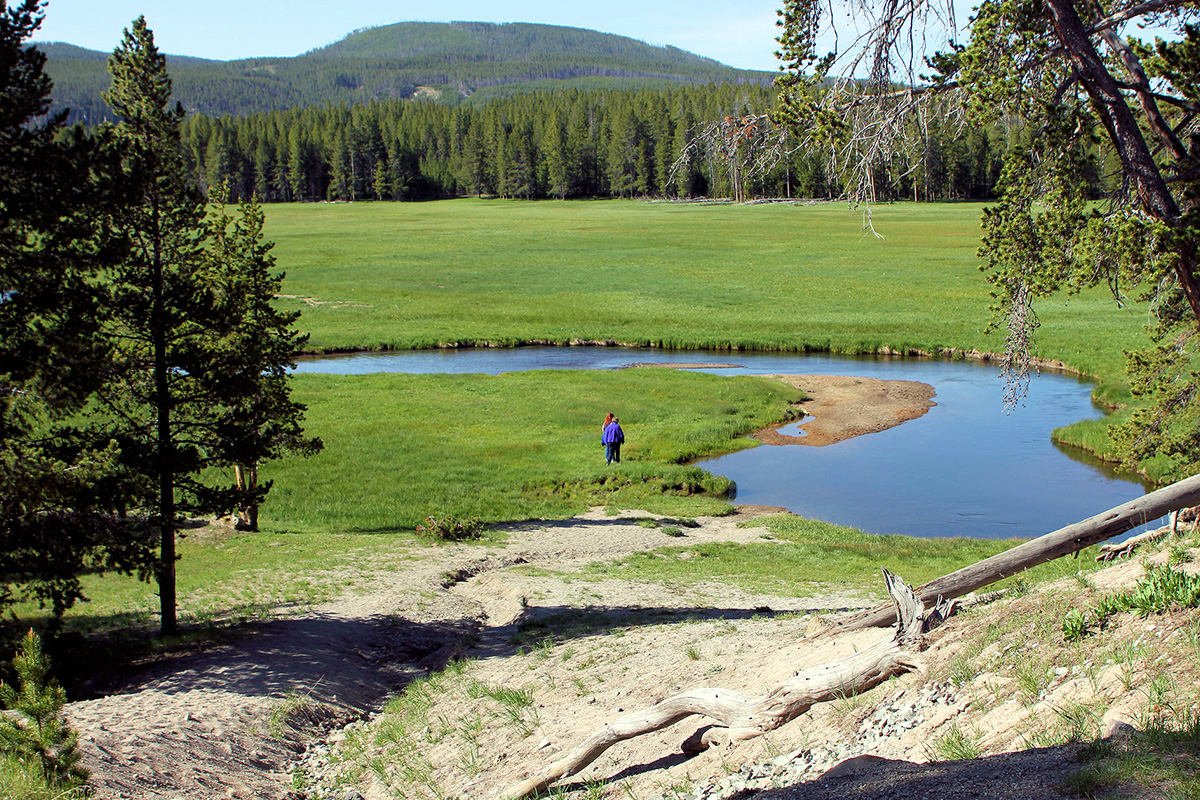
x=55, y=471
x=251, y=361
x=36, y=733
x=201, y=356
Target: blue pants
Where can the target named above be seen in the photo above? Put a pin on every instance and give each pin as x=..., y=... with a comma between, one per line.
x=612, y=452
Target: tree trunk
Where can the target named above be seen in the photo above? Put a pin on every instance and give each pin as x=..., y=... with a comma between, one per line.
x=1061, y=542
x=1136, y=159
x=246, y=478
x=744, y=717
x=164, y=443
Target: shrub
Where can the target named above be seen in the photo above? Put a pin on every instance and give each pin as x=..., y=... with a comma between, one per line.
x=1075, y=625
x=451, y=528
x=1161, y=589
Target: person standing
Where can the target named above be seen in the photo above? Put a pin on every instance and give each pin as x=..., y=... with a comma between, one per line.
x=612, y=440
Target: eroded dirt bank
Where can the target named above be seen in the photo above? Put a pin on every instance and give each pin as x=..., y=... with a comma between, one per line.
x=231, y=721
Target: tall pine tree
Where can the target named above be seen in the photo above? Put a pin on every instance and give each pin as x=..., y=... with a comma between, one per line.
x=201, y=355
x=55, y=472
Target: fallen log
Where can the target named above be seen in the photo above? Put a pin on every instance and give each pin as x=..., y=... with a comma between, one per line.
x=744, y=717
x=1061, y=542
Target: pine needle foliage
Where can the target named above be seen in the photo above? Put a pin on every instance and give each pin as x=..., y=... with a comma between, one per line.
x=33, y=729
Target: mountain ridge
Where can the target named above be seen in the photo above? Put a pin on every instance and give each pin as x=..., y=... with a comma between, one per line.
x=453, y=61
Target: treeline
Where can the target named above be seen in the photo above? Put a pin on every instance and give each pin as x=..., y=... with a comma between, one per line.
x=556, y=144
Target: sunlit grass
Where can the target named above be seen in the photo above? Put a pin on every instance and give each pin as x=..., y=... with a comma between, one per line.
x=804, y=277
x=516, y=446
x=803, y=556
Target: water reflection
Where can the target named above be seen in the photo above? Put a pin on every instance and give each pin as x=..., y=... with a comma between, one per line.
x=966, y=468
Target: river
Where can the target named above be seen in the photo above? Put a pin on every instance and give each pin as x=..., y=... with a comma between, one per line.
x=966, y=468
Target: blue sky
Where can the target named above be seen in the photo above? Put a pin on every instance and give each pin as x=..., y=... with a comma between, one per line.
x=740, y=33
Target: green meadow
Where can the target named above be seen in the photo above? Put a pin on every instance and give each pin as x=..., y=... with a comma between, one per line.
x=522, y=445
x=772, y=276
x=399, y=448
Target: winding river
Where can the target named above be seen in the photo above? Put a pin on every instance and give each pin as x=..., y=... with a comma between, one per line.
x=964, y=469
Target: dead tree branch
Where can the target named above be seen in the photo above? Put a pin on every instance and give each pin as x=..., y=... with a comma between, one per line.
x=1064, y=541
x=742, y=717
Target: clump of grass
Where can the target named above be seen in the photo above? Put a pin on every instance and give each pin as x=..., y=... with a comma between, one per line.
x=1161, y=589
x=673, y=530
x=648, y=523
x=954, y=745
x=281, y=718
x=1075, y=625
x=962, y=671
x=1163, y=758
x=451, y=529
x=1180, y=554
x=1032, y=679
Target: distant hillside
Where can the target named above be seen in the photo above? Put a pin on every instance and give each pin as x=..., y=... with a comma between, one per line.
x=450, y=62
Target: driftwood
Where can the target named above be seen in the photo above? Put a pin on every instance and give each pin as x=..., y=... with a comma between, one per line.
x=743, y=717
x=1061, y=542
x=1112, y=552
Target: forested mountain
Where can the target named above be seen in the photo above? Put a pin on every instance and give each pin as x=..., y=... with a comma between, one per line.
x=449, y=62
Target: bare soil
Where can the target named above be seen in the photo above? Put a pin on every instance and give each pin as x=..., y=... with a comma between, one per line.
x=236, y=720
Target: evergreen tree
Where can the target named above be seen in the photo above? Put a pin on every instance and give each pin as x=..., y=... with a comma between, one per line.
x=36, y=733
x=54, y=471
x=201, y=355
x=250, y=362
x=162, y=309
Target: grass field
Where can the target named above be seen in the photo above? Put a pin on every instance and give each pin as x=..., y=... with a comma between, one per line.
x=526, y=445
x=521, y=445
x=803, y=277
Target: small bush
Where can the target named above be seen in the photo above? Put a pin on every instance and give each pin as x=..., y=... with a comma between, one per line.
x=1075, y=625
x=1164, y=588
x=451, y=529
x=1161, y=589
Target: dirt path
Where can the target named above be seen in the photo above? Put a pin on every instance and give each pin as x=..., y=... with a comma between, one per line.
x=231, y=721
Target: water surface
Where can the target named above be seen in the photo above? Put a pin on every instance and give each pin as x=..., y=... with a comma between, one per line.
x=964, y=469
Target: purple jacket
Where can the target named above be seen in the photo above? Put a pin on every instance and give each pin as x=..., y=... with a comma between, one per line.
x=613, y=434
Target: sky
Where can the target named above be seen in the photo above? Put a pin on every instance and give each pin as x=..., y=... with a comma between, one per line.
x=739, y=33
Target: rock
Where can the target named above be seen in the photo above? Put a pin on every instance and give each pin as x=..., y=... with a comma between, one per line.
x=1115, y=722
x=853, y=766
x=1118, y=728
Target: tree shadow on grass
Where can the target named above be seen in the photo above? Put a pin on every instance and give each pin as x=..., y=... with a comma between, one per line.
x=358, y=661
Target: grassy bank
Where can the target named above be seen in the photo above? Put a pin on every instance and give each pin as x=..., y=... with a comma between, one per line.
x=399, y=448
x=514, y=446
x=801, y=557
x=805, y=277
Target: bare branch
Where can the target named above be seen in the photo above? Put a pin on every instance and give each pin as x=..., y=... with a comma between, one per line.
x=1133, y=12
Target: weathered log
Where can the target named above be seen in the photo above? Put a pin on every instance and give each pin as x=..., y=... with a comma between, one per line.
x=1061, y=542
x=744, y=717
